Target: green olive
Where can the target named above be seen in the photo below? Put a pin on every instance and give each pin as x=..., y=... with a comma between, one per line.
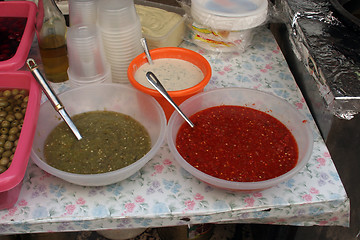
x=3, y=169
x=15, y=123
x=4, y=103
x=7, y=93
x=8, y=108
x=19, y=115
x=8, y=145
x=12, y=137
x=17, y=109
x=4, y=130
x=2, y=142
x=7, y=153
x=13, y=131
x=26, y=99
x=2, y=98
x=15, y=92
x=13, y=150
x=23, y=105
x=19, y=97
x=10, y=117
x=3, y=114
x=18, y=102
x=5, y=124
x=11, y=101
x=4, y=161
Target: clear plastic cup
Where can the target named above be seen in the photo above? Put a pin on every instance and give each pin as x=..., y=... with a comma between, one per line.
x=121, y=47
x=82, y=12
x=116, y=37
x=120, y=30
x=87, y=60
x=123, y=54
x=115, y=15
x=118, y=42
x=124, y=32
x=104, y=78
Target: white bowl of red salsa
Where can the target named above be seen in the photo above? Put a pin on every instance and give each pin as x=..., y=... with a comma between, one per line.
x=243, y=139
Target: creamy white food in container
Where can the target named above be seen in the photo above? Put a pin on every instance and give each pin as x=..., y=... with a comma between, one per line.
x=160, y=27
x=226, y=25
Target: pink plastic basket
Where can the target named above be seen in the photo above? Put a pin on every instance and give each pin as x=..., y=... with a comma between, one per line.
x=10, y=180
x=19, y=9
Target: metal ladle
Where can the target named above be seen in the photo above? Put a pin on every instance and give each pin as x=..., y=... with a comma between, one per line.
x=158, y=86
x=49, y=92
x=146, y=50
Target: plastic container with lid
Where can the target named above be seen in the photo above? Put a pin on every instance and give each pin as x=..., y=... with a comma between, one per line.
x=220, y=40
x=229, y=15
x=162, y=25
x=10, y=78
x=226, y=25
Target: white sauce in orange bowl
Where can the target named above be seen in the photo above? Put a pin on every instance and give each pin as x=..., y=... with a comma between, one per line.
x=173, y=55
x=174, y=74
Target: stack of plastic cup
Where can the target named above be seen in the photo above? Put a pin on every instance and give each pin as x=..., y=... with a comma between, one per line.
x=120, y=29
x=82, y=12
x=87, y=61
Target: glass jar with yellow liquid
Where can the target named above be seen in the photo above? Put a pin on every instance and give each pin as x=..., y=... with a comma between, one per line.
x=51, y=34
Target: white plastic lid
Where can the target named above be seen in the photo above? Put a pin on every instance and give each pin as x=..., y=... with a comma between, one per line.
x=233, y=15
x=230, y=8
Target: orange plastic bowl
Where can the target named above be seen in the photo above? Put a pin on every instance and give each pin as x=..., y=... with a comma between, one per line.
x=178, y=96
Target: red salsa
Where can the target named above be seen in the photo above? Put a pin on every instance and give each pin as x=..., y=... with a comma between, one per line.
x=237, y=144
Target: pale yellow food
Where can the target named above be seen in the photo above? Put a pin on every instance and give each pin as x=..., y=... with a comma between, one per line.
x=161, y=28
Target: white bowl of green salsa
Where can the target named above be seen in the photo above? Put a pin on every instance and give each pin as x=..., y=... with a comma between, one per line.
x=122, y=130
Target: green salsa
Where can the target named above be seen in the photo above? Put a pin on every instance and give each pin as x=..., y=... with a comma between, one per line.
x=111, y=141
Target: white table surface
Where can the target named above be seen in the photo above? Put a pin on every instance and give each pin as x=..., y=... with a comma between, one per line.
x=163, y=194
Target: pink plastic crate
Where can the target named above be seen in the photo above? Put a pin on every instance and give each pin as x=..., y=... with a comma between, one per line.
x=19, y=9
x=11, y=179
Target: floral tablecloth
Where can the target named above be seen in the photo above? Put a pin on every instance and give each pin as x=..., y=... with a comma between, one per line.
x=163, y=194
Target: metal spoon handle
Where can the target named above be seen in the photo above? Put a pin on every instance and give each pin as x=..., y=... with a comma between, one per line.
x=158, y=86
x=49, y=92
x=146, y=50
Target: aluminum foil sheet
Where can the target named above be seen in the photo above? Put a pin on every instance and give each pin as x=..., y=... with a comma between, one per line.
x=329, y=47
